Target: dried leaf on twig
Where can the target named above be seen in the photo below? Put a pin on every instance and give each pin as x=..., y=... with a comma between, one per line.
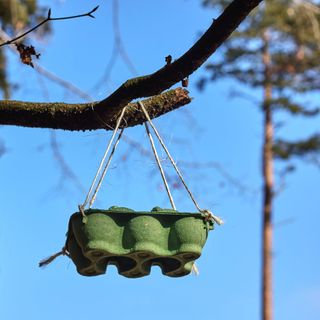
x=26, y=53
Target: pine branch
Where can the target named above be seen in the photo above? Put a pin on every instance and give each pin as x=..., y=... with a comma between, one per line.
x=285, y=103
x=285, y=150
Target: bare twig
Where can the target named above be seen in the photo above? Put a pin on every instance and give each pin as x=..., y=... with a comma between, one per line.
x=284, y=222
x=88, y=14
x=236, y=183
x=67, y=171
x=3, y=148
x=62, y=82
x=118, y=39
x=118, y=49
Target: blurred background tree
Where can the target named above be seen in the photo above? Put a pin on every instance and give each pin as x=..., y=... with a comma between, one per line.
x=276, y=52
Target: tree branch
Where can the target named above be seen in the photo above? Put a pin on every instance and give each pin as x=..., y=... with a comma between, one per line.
x=88, y=14
x=172, y=73
x=86, y=116
x=82, y=117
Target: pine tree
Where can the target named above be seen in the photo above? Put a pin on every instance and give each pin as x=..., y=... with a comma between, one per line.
x=277, y=51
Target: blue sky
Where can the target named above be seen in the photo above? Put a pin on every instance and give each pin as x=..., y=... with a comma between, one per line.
x=36, y=201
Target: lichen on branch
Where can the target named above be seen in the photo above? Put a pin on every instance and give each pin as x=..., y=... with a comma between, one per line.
x=86, y=116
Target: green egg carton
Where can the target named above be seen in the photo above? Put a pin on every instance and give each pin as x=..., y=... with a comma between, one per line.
x=135, y=241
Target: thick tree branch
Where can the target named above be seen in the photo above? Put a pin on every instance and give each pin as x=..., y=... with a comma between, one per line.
x=86, y=116
x=181, y=68
x=82, y=117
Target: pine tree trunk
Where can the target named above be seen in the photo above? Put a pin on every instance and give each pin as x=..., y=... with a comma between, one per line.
x=267, y=304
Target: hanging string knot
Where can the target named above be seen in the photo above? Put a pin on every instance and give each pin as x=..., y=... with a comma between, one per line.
x=81, y=210
x=209, y=216
x=45, y=262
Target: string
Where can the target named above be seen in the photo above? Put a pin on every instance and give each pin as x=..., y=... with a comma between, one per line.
x=45, y=262
x=105, y=169
x=160, y=166
x=81, y=207
x=206, y=212
x=64, y=251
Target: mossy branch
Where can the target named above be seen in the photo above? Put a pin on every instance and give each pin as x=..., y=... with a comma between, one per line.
x=86, y=116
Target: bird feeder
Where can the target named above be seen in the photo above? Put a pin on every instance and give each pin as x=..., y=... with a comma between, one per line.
x=134, y=241
x=131, y=240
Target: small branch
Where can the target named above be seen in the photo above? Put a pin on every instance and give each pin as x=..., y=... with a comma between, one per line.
x=62, y=82
x=66, y=171
x=89, y=14
x=118, y=39
x=86, y=116
x=3, y=148
x=232, y=180
x=118, y=49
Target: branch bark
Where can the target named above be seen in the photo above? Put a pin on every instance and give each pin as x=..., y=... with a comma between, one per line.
x=139, y=87
x=86, y=116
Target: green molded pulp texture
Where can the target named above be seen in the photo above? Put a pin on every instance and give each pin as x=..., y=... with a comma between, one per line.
x=134, y=241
